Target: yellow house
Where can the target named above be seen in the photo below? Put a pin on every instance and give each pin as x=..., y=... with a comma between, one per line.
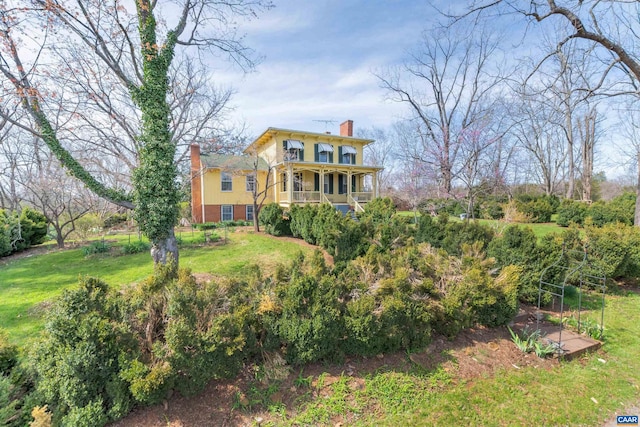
x=296, y=167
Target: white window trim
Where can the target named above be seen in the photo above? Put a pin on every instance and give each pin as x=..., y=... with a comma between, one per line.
x=246, y=212
x=229, y=180
x=222, y=212
x=246, y=184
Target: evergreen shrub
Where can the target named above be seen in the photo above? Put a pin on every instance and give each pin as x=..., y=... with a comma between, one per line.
x=571, y=212
x=274, y=221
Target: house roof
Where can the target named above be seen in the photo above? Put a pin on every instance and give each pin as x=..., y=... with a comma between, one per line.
x=299, y=134
x=226, y=161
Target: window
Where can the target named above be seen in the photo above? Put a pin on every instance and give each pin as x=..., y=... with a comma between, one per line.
x=227, y=181
x=324, y=153
x=297, y=182
x=249, y=213
x=347, y=155
x=342, y=184
x=293, y=150
x=227, y=212
x=328, y=184
x=284, y=182
x=251, y=183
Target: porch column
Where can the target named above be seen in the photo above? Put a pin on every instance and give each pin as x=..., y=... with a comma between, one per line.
x=321, y=185
x=375, y=183
x=290, y=184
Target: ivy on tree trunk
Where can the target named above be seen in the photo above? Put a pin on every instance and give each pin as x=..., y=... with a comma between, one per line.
x=155, y=180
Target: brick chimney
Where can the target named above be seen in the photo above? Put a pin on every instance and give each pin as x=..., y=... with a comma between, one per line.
x=346, y=128
x=196, y=184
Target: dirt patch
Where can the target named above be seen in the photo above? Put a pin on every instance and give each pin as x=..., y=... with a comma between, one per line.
x=473, y=354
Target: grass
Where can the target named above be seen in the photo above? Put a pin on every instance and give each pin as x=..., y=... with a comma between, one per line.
x=27, y=285
x=539, y=230
x=582, y=392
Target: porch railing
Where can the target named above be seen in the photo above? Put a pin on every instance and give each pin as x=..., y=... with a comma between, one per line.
x=356, y=206
x=355, y=199
x=362, y=196
x=300, y=197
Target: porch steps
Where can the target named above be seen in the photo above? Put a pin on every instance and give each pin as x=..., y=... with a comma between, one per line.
x=344, y=208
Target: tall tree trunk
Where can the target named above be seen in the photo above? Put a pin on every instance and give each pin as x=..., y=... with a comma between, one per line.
x=256, y=211
x=570, y=158
x=164, y=250
x=155, y=179
x=636, y=217
x=588, y=143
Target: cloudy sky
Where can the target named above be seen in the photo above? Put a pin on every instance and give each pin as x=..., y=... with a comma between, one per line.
x=319, y=60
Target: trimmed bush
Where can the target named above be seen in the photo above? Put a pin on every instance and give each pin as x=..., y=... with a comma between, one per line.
x=5, y=234
x=614, y=250
x=17, y=234
x=79, y=360
x=518, y=246
x=8, y=354
x=97, y=247
x=274, y=221
x=302, y=218
x=539, y=209
x=571, y=212
x=136, y=247
x=620, y=209
x=451, y=235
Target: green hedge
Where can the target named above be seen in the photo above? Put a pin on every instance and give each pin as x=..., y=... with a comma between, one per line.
x=21, y=232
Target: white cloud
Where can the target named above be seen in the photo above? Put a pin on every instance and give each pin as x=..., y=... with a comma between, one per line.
x=318, y=62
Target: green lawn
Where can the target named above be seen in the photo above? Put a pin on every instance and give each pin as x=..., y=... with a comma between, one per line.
x=27, y=284
x=582, y=392
x=539, y=230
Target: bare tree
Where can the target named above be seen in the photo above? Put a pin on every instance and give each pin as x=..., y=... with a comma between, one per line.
x=411, y=185
x=588, y=138
x=611, y=26
x=477, y=165
x=260, y=192
x=382, y=152
x=137, y=47
x=62, y=199
x=536, y=133
x=446, y=85
x=630, y=127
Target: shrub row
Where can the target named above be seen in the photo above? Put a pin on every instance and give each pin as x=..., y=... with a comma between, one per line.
x=214, y=225
x=105, y=351
x=618, y=210
x=339, y=235
x=20, y=232
x=613, y=249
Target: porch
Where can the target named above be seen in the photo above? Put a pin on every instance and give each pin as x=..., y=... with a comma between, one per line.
x=320, y=183
x=302, y=197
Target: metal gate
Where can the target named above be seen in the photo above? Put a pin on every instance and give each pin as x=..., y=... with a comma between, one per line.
x=572, y=268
